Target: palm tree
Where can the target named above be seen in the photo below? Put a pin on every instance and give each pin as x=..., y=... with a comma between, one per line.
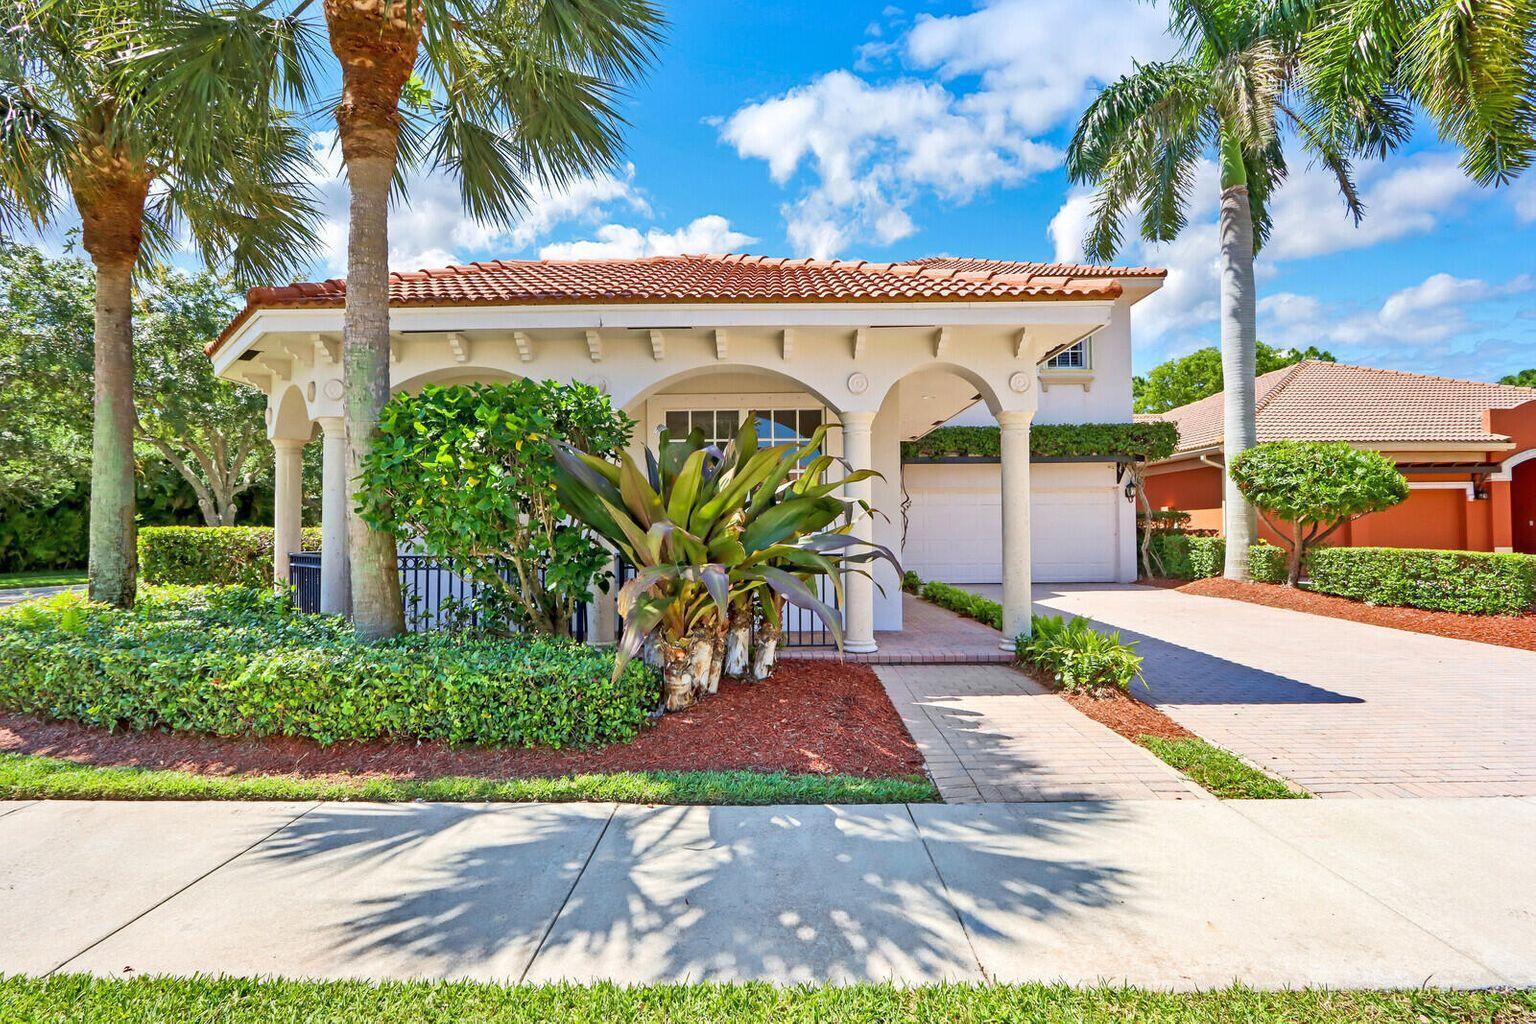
x=1469, y=64
x=72, y=122
x=500, y=92
x=1231, y=93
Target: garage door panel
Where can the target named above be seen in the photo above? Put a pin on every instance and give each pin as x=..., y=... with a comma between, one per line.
x=954, y=524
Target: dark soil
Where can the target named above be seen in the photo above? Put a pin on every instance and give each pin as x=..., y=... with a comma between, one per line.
x=1118, y=710
x=812, y=717
x=1502, y=630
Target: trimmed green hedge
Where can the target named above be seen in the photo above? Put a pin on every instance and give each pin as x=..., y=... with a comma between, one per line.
x=1189, y=557
x=1051, y=440
x=1267, y=563
x=972, y=606
x=239, y=661
x=211, y=555
x=1475, y=582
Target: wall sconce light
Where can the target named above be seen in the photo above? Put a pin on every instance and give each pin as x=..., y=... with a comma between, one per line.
x=1130, y=490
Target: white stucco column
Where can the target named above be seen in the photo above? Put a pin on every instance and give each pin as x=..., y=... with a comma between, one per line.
x=287, y=504
x=335, y=565
x=1016, y=554
x=859, y=616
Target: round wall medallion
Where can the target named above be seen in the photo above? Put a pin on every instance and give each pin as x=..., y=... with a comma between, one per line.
x=858, y=383
x=1019, y=381
x=333, y=389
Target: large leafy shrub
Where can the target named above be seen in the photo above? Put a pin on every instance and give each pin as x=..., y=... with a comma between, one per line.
x=1077, y=656
x=1314, y=487
x=238, y=661
x=1476, y=582
x=468, y=473
x=1267, y=563
x=211, y=555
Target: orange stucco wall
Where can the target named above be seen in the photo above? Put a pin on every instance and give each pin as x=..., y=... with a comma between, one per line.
x=1432, y=517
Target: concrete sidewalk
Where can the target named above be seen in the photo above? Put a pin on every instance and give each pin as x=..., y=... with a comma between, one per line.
x=1166, y=894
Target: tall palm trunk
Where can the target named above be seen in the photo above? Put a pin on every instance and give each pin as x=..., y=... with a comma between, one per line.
x=110, y=197
x=376, y=44
x=1238, y=345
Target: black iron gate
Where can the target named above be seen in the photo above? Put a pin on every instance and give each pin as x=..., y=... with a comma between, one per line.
x=802, y=627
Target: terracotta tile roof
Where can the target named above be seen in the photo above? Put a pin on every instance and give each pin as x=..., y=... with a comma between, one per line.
x=731, y=278
x=1318, y=401
x=966, y=264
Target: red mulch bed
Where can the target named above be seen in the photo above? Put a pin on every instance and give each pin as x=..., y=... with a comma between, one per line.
x=1502, y=630
x=813, y=717
x=1117, y=710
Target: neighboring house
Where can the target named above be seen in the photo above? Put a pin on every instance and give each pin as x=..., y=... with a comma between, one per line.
x=880, y=351
x=1467, y=448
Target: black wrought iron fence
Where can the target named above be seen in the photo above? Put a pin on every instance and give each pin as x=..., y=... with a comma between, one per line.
x=436, y=594
x=802, y=627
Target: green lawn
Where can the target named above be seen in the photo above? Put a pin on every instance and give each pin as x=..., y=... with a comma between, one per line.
x=41, y=578
x=71, y=998
x=25, y=777
x=1220, y=771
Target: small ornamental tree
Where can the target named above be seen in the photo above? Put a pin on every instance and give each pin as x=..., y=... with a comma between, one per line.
x=468, y=473
x=1316, y=487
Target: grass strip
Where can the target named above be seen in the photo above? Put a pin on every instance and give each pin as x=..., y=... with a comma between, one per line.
x=28, y=777
x=1220, y=771
x=41, y=578
x=157, y=1000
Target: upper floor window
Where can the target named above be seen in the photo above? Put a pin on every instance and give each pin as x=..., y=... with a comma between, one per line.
x=1074, y=357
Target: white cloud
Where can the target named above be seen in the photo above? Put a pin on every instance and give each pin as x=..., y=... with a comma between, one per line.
x=711, y=233
x=1407, y=196
x=1040, y=61
x=1440, y=308
x=1522, y=196
x=429, y=228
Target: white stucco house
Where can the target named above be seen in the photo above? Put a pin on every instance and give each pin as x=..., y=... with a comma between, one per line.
x=882, y=352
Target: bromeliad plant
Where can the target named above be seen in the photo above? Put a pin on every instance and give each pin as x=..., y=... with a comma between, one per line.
x=712, y=533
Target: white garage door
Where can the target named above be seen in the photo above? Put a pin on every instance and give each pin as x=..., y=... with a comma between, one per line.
x=954, y=522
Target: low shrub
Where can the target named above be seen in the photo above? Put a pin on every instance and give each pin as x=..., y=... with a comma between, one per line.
x=911, y=582
x=211, y=555
x=239, y=661
x=1267, y=563
x=1077, y=656
x=1186, y=556
x=1475, y=582
x=972, y=606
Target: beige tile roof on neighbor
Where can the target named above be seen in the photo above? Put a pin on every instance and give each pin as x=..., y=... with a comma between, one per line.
x=1319, y=401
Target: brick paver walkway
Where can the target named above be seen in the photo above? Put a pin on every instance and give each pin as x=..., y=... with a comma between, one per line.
x=1343, y=708
x=929, y=634
x=989, y=733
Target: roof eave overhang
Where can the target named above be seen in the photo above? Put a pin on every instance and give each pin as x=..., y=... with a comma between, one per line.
x=1375, y=446
x=1090, y=313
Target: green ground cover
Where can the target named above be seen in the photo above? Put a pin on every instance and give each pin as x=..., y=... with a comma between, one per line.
x=25, y=777
x=71, y=998
x=1220, y=771
x=42, y=578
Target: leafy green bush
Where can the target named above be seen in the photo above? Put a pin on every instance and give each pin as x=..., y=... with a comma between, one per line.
x=1475, y=582
x=211, y=555
x=239, y=661
x=1077, y=656
x=972, y=606
x=911, y=582
x=1051, y=440
x=468, y=471
x=1267, y=563
x=1315, y=487
x=1185, y=556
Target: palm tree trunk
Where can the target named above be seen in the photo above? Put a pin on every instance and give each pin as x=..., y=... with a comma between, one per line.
x=110, y=193
x=376, y=45
x=113, y=552
x=376, y=607
x=1238, y=344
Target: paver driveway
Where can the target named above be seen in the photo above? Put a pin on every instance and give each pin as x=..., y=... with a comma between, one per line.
x=1343, y=708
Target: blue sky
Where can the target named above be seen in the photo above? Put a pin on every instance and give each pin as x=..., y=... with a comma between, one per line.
x=866, y=130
